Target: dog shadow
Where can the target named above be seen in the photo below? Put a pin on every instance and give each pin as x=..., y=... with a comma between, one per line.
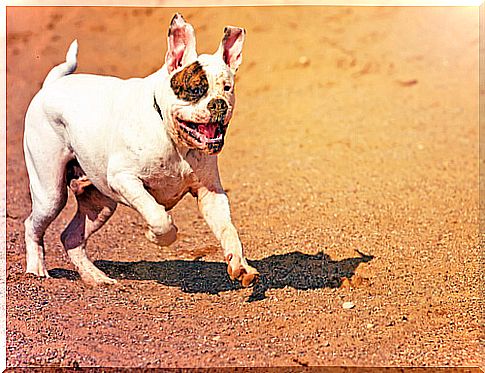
x=297, y=270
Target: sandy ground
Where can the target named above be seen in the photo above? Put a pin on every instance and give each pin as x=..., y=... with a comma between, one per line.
x=352, y=167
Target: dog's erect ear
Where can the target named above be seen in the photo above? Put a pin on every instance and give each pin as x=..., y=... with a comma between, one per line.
x=231, y=46
x=180, y=43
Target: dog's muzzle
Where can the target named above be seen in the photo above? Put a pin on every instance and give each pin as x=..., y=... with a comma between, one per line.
x=207, y=137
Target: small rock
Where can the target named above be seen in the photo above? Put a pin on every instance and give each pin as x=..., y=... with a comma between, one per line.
x=348, y=305
x=216, y=338
x=326, y=344
x=369, y=326
x=304, y=61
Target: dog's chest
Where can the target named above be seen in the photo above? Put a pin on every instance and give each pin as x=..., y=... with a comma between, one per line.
x=169, y=180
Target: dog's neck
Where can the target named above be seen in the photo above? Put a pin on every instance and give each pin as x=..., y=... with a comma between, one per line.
x=157, y=78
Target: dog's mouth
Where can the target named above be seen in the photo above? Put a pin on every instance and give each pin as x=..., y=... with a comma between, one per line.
x=205, y=136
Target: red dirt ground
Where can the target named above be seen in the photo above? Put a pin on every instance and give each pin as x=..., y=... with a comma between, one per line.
x=356, y=130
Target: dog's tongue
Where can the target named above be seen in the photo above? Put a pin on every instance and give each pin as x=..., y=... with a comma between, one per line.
x=209, y=130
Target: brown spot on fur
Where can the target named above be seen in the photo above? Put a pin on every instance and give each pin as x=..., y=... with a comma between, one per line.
x=190, y=84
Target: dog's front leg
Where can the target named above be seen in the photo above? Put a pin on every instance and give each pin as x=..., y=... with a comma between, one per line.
x=161, y=229
x=214, y=206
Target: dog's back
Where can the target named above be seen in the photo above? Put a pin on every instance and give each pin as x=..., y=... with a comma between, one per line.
x=79, y=107
x=83, y=97
x=74, y=112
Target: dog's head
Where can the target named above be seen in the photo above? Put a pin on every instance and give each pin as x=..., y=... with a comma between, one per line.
x=199, y=92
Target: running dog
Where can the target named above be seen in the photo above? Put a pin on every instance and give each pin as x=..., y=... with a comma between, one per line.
x=141, y=142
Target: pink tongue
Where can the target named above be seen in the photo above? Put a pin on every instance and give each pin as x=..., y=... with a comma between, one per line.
x=209, y=130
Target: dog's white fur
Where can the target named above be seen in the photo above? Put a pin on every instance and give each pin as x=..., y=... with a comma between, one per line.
x=129, y=154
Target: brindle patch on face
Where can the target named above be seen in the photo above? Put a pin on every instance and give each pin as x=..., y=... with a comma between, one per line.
x=190, y=84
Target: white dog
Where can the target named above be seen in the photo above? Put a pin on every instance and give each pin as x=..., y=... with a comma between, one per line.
x=144, y=143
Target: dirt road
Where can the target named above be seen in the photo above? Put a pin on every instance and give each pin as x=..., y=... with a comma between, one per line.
x=352, y=169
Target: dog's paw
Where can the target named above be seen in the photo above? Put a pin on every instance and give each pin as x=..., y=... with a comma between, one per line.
x=41, y=271
x=246, y=275
x=165, y=239
x=36, y=266
x=93, y=276
x=97, y=280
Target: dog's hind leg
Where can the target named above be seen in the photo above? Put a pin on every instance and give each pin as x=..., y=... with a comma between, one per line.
x=93, y=210
x=45, y=157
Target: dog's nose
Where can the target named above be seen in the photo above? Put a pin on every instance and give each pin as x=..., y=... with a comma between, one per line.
x=218, y=109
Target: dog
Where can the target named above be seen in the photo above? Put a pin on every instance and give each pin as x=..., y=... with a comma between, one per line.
x=141, y=142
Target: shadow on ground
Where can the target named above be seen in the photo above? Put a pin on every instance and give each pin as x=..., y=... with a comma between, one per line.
x=296, y=270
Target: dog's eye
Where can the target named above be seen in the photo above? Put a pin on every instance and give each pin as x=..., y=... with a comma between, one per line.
x=227, y=88
x=196, y=91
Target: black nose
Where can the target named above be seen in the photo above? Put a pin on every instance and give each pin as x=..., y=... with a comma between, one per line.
x=218, y=109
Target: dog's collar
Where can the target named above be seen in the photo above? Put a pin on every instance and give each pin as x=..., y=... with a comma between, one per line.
x=157, y=108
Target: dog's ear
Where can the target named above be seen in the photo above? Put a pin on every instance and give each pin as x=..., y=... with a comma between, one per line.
x=180, y=43
x=231, y=46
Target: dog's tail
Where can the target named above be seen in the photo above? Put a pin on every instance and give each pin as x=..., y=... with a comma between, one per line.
x=64, y=68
